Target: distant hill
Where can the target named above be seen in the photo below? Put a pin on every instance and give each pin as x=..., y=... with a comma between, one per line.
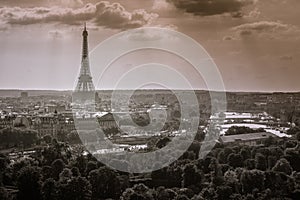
x=17, y=93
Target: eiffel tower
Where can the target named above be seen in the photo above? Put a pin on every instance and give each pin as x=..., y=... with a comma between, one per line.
x=85, y=89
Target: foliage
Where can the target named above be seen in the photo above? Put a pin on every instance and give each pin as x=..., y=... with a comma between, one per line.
x=284, y=166
x=293, y=130
x=77, y=188
x=236, y=130
x=236, y=172
x=13, y=137
x=29, y=183
x=105, y=183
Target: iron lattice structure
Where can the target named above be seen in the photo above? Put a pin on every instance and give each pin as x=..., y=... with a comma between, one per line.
x=85, y=81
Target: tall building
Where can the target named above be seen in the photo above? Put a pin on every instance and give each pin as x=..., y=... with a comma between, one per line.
x=85, y=89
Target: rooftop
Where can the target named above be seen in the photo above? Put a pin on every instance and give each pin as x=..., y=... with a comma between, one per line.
x=246, y=137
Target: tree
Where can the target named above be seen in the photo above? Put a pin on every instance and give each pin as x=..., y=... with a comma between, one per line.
x=273, y=181
x=200, y=135
x=4, y=195
x=29, y=183
x=28, y=137
x=284, y=166
x=276, y=151
x=260, y=162
x=65, y=175
x=290, y=144
x=105, y=183
x=176, y=114
x=57, y=167
x=174, y=173
x=223, y=155
x=73, y=137
x=138, y=192
x=224, y=192
x=92, y=165
x=18, y=137
x=4, y=162
x=163, y=142
x=62, y=135
x=231, y=179
x=49, y=155
x=297, y=136
x=252, y=179
x=293, y=156
x=293, y=130
x=49, y=190
x=189, y=155
x=81, y=163
x=47, y=139
x=271, y=161
x=296, y=176
x=245, y=153
x=77, y=188
x=75, y=172
x=46, y=172
x=208, y=193
x=182, y=197
x=191, y=176
x=235, y=160
x=160, y=175
x=269, y=141
x=236, y=130
x=165, y=194
x=195, y=147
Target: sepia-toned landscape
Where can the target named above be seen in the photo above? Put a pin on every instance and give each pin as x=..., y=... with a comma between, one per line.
x=149, y=100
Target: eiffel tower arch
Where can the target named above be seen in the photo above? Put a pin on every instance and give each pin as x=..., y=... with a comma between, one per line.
x=85, y=89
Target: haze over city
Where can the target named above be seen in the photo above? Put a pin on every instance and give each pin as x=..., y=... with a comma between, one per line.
x=254, y=43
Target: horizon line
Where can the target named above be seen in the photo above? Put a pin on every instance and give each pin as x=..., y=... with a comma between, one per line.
x=160, y=89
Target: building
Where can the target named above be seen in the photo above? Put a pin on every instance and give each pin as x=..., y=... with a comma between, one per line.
x=6, y=122
x=52, y=125
x=251, y=139
x=107, y=121
x=85, y=90
x=15, y=121
x=50, y=108
x=22, y=122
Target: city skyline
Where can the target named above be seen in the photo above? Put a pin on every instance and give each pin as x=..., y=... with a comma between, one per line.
x=255, y=44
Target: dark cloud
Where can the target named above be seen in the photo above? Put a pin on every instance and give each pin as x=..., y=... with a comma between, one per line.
x=265, y=28
x=245, y=32
x=286, y=57
x=109, y=15
x=227, y=38
x=212, y=7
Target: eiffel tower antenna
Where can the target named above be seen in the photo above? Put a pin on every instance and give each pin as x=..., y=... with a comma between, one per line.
x=85, y=82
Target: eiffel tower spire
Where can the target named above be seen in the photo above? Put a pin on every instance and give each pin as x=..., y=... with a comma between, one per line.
x=85, y=82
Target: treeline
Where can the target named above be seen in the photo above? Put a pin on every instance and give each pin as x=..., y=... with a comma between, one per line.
x=59, y=171
x=240, y=172
x=14, y=137
x=236, y=130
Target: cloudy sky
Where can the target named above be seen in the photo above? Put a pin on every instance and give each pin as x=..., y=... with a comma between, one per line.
x=255, y=43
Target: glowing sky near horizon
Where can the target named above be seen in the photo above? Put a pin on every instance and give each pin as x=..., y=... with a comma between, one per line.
x=255, y=43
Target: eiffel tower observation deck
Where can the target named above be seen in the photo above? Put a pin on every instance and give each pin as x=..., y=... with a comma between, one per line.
x=85, y=90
